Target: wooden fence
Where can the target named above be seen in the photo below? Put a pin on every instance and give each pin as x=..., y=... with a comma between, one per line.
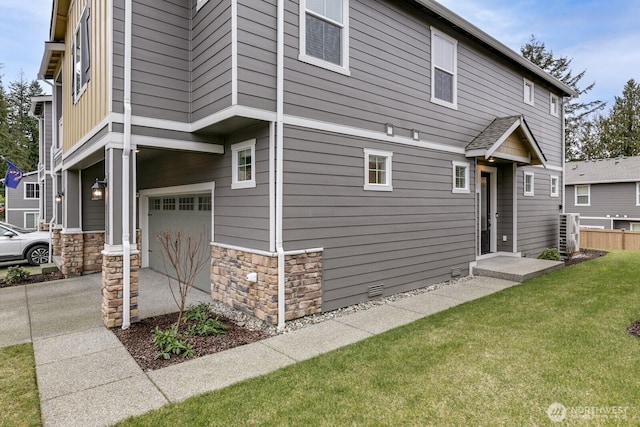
x=610, y=239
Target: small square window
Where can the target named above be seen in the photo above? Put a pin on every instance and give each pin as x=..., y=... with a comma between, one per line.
x=637, y=193
x=583, y=195
x=554, y=105
x=186, y=204
x=155, y=204
x=169, y=204
x=243, y=158
x=377, y=170
x=460, y=177
x=529, y=92
x=529, y=184
x=555, y=191
x=204, y=203
x=31, y=191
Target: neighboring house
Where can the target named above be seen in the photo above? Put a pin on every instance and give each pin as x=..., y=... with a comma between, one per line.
x=606, y=192
x=22, y=204
x=331, y=151
x=42, y=110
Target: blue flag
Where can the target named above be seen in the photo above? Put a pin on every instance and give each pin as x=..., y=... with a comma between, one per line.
x=13, y=176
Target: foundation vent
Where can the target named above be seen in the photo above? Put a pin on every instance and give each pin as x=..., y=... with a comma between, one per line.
x=375, y=290
x=456, y=272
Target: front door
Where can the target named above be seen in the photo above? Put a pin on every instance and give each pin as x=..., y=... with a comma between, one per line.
x=485, y=213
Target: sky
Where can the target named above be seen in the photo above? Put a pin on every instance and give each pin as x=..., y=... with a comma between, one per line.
x=601, y=36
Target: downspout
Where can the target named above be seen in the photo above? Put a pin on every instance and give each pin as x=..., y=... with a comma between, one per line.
x=126, y=246
x=52, y=174
x=563, y=153
x=279, y=160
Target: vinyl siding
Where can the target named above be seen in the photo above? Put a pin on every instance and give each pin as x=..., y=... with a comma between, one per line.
x=606, y=199
x=93, y=211
x=537, y=215
x=505, y=208
x=407, y=238
x=241, y=216
x=390, y=82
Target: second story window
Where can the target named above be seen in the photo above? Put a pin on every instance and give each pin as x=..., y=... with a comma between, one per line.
x=81, y=56
x=324, y=33
x=583, y=195
x=529, y=90
x=444, y=69
x=554, y=105
x=31, y=190
x=529, y=188
x=243, y=159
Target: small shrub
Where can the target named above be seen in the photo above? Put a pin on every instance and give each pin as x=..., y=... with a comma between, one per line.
x=16, y=274
x=170, y=342
x=208, y=327
x=550, y=254
x=199, y=312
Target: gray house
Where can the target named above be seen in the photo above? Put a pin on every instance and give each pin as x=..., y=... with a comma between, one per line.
x=42, y=109
x=606, y=193
x=22, y=204
x=331, y=151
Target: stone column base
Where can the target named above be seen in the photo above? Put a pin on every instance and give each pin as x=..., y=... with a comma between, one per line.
x=112, y=285
x=72, y=253
x=57, y=242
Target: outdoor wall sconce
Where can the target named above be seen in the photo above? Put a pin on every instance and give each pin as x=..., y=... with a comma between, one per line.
x=97, y=189
x=59, y=197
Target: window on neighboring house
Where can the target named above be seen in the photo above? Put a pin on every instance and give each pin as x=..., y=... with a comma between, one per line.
x=637, y=193
x=324, y=34
x=460, y=177
x=529, y=184
x=444, y=69
x=529, y=92
x=31, y=220
x=554, y=105
x=243, y=158
x=555, y=192
x=583, y=195
x=31, y=190
x=81, y=56
x=377, y=170
x=635, y=226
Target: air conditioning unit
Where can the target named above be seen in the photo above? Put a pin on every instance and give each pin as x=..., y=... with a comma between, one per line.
x=569, y=238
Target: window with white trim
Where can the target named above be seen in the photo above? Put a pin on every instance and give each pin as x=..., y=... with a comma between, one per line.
x=529, y=185
x=31, y=190
x=31, y=220
x=243, y=158
x=634, y=226
x=377, y=170
x=529, y=91
x=80, y=56
x=554, y=190
x=554, y=105
x=460, y=177
x=444, y=69
x=637, y=193
x=583, y=195
x=324, y=34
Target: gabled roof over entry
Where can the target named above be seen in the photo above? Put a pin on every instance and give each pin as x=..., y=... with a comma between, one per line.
x=507, y=138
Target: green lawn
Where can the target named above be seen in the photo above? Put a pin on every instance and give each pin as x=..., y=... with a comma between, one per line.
x=501, y=360
x=19, y=402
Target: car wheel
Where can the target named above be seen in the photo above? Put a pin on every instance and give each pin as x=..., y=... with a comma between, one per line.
x=38, y=255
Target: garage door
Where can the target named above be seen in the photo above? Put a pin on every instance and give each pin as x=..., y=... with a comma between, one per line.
x=191, y=213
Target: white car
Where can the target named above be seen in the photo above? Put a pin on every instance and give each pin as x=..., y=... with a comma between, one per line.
x=18, y=243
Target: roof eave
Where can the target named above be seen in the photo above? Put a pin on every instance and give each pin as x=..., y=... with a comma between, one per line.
x=52, y=51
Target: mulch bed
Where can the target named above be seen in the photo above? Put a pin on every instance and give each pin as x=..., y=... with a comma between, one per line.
x=35, y=278
x=584, y=255
x=138, y=340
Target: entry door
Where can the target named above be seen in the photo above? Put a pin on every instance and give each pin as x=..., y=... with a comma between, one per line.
x=485, y=213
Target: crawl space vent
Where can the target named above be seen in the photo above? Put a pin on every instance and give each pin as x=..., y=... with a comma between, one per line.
x=375, y=290
x=456, y=272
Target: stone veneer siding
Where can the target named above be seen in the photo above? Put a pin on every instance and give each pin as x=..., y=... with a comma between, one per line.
x=80, y=252
x=57, y=242
x=93, y=246
x=303, y=282
x=112, y=285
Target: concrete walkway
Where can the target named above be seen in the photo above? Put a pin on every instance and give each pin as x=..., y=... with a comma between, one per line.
x=87, y=378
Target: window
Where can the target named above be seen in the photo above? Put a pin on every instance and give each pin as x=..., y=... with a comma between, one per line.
x=528, y=184
x=637, y=193
x=324, y=34
x=243, y=158
x=169, y=204
x=377, y=170
x=31, y=191
x=529, y=92
x=444, y=69
x=554, y=105
x=186, y=204
x=554, y=186
x=634, y=226
x=583, y=195
x=460, y=177
x=31, y=220
x=204, y=203
x=81, y=56
x=155, y=204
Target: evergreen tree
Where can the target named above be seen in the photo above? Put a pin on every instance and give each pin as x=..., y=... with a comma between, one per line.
x=23, y=129
x=620, y=131
x=576, y=112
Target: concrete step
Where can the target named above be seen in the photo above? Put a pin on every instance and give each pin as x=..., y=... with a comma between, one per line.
x=515, y=269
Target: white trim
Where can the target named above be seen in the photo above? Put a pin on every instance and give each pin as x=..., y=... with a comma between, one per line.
x=454, y=105
x=272, y=187
x=631, y=224
x=556, y=112
x=388, y=156
x=532, y=191
x=526, y=82
x=604, y=181
x=36, y=220
x=19, y=209
x=109, y=24
x=575, y=195
x=104, y=122
x=26, y=184
x=167, y=143
x=234, y=52
x=178, y=189
x=551, y=192
x=591, y=227
x=200, y=3
x=551, y=168
x=235, y=148
x=637, y=193
x=515, y=206
x=466, y=165
x=343, y=67
x=265, y=253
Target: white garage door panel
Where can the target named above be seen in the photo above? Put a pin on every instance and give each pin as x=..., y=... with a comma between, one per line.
x=190, y=213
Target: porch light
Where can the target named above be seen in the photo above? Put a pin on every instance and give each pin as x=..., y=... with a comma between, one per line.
x=59, y=197
x=97, y=189
x=491, y=160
